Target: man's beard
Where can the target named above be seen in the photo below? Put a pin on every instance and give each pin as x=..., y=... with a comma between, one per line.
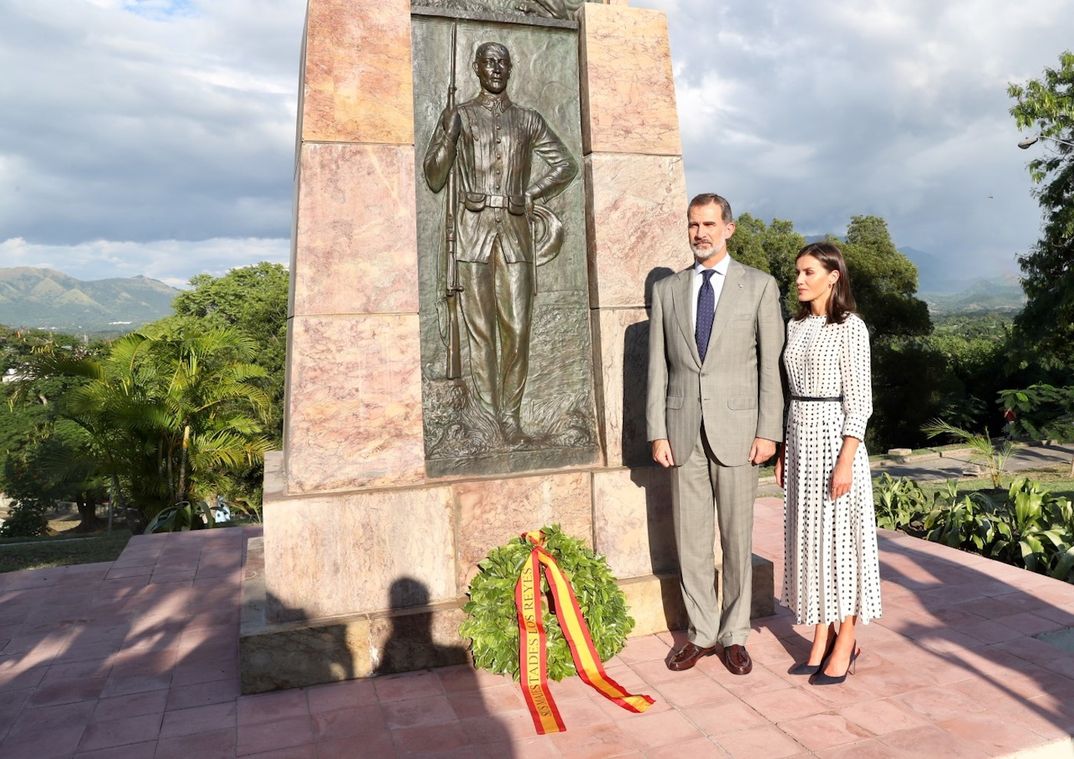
x=704, y=254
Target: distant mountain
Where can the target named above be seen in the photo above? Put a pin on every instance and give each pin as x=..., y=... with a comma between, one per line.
x=1002, y=293
x=936, y=275
x=48, y=299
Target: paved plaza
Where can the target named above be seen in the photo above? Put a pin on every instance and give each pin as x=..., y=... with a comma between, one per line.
x=139, y=658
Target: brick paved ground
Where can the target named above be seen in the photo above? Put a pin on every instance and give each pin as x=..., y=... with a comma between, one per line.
x=139, y=659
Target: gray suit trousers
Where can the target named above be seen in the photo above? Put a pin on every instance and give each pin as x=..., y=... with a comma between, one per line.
x=703, y=491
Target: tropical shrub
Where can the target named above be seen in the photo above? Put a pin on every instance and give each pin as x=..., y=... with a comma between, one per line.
x=1026, y=526
x=899, y=502
x=1041, y=411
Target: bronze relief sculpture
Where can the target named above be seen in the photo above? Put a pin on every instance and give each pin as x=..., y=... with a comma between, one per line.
x=498, y=231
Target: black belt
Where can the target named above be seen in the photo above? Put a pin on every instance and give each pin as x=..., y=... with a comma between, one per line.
x=814, y=398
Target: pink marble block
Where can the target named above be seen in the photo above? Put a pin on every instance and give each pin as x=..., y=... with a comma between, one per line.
x=357, y=83
x=621, y=345
x=354, y=403
x=636, y=224
x=491, y=512
x=628, y=91
x=632, y=521
x=356, y=238
x=359, y=552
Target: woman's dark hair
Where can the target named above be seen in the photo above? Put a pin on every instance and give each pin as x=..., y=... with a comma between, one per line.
x=841, y=302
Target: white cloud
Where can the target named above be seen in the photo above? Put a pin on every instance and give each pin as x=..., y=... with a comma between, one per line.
x=170, y=261
x=818, y=111
x=170, y=123
x=141, y=121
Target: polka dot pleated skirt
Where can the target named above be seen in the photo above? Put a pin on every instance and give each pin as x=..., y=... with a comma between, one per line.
x=831, y=567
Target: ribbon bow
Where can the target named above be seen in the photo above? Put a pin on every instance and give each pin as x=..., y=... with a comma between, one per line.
x=532, y=648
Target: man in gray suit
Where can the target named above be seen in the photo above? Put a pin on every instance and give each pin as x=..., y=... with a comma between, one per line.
x=714, y=412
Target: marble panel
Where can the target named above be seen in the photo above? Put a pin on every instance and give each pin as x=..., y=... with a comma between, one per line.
x=763, y=599
x=621, y=338
x=636, y=226
x=628, y=91
x=354, y=403
x=362, y=552
x=491, y=512
x=410, y=639
x=356, y=239
x=655, y=603
x=274, y=484
x=298, y=655
x=632, y=521
x=357, y=84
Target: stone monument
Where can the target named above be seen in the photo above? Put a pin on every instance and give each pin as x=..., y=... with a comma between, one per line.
x=485, y=192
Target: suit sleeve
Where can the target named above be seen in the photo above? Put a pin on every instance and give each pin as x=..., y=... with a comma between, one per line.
x=770, y=336
x=656, y=398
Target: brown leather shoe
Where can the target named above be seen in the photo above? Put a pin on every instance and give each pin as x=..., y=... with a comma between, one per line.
x=737, y=659
x=687, y=656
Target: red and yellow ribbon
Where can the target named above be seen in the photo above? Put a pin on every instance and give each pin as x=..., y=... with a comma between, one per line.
x=532, y=648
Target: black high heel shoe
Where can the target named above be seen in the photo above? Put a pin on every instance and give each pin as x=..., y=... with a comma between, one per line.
x=822, y=679
x=812, y=669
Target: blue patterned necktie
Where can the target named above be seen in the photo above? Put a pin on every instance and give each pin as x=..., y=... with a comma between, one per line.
x=706, y=307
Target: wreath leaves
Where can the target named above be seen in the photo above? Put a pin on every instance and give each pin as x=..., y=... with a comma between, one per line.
x=492, y=623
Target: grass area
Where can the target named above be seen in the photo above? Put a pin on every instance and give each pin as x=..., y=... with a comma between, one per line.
x=61, y=551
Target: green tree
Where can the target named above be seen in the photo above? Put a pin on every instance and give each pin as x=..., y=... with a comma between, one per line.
x=42, y=457
x=747, y=244
x=769, y=247
x=253, y=300
x=884, y=280
x=1046, y=325
x=781, y=245
x=170, y=412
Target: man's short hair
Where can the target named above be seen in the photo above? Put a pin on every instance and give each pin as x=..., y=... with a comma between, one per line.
x=710, y=198
x=484, y=47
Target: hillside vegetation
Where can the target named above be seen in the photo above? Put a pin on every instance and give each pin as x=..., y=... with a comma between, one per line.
x=48, y=299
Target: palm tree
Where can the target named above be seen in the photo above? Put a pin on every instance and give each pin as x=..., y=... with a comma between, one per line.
x=169, y=411
x=982, y=444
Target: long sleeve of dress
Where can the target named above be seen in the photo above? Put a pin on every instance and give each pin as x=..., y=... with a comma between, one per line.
x=856, y=378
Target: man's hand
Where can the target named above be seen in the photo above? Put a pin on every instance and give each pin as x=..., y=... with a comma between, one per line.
x=662, y=453
x=451, y=120
x=761, y=450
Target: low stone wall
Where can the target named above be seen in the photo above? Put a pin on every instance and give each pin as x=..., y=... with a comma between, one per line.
x=329, y=649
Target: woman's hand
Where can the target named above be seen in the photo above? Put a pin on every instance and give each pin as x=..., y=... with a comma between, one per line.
x=842, y=476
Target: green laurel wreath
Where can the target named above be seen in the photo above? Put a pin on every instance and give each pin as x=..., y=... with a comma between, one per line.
x=492, y=623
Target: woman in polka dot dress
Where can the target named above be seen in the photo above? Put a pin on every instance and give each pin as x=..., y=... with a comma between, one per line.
x=832, y=573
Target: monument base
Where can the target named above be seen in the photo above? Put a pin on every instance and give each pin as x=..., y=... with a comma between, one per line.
x=330, y=649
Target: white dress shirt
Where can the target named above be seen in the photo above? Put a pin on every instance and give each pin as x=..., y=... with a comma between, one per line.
x=716, y=280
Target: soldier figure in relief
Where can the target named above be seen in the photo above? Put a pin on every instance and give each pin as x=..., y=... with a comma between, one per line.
x=490, y=142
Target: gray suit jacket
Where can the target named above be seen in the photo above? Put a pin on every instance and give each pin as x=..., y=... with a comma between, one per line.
x=737, y=392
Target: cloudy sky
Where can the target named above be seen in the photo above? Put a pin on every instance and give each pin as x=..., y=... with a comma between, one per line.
x=156, y=137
